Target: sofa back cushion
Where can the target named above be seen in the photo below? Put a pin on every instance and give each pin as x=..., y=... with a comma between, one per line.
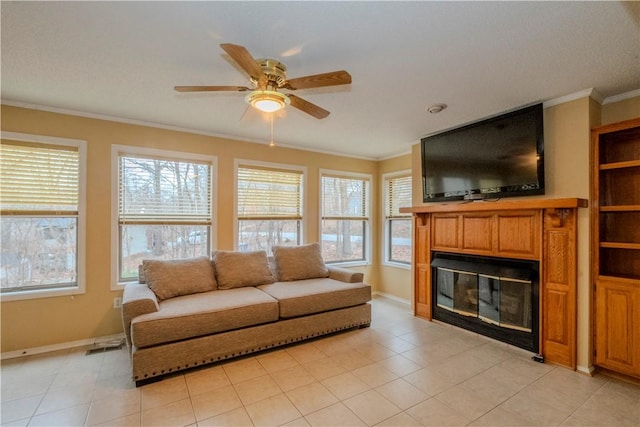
x=172, y=278
x=299, y=262
x=240, y=269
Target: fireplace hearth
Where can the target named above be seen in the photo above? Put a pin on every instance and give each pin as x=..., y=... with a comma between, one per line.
x=494, y=297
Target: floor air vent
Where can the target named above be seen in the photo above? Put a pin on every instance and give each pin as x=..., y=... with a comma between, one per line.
x=101, y=347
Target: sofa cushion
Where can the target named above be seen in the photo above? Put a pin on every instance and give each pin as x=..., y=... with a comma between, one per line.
x=302, y=297
x=206, y=313
x=239, y=269
x=299, y=262
x=172, y=278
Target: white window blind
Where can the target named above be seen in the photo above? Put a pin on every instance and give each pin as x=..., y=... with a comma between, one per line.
x=38, y=179
x=398, y=195
x=344, y=198
x=161, y=191
x=268, y=193
x=41, y=217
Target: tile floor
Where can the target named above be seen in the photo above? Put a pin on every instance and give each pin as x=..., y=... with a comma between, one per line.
x=402, y=371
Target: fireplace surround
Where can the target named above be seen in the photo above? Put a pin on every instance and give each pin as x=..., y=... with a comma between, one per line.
x=494, y=297
x=536, y=229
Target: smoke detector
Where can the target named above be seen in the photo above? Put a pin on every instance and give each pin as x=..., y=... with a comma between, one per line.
x=436, y=108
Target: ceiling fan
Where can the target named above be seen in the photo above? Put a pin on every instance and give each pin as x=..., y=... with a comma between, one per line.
x=268, y=76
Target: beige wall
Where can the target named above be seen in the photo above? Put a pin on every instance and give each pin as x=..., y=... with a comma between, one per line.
x=620, y=111
x=50, y=321
x=393, y=281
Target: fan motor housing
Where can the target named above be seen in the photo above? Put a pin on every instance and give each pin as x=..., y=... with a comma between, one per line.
x=275, y=71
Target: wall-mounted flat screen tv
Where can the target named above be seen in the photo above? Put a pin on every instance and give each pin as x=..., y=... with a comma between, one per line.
x=502, y=156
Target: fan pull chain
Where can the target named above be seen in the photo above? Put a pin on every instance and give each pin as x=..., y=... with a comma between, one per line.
x=271, y=143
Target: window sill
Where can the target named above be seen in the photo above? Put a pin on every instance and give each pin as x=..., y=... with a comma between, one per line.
x=360, y=263
x=34, y=294
x=399, y=265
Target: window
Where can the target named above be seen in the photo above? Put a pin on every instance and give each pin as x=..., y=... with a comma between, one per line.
x=345, y=217
x=397, y=235
x=42, y=222
x=165, y=207
x=269, y=207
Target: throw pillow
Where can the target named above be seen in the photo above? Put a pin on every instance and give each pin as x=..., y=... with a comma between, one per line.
x=299, y=262
x=240, y=269
x=172, y=278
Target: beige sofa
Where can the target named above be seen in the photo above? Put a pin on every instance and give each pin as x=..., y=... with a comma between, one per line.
x=186, y=313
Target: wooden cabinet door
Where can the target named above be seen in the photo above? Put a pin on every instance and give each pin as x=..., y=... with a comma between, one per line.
x=445, y=232
x=519, y=234
x=477, y=233
x=618, y=325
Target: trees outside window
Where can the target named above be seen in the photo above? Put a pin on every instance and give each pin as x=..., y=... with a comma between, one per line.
x=42, y=215
x=345, y=217
x=398, y=226
x=269, y=206
x=164, y=208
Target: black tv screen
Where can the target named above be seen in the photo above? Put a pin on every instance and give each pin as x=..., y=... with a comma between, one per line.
x=498, y=157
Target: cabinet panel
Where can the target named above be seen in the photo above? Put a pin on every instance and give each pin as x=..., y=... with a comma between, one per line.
x=556, y=301
x=559, y=287
x=618, y=325
x=445, y=231
x=422, y=267
x=421, y=242
x=423, y=292
x=477, y=233
x=557, y=266
x=519, y=235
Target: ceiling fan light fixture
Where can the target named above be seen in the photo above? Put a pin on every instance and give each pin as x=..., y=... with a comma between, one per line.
x=268, y=101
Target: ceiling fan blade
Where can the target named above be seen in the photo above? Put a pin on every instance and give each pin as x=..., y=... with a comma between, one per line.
x=333, y=78
x=244, y=59
x=308, y=107
x=210, y=88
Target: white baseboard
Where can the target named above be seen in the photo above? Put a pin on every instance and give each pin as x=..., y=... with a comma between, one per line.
x=393, y=297
x=589, y=370
x=61, y=346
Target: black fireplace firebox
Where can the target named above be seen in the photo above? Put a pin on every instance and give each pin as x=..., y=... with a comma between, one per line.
x=494, y=297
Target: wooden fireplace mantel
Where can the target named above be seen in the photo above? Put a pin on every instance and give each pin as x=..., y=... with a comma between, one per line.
x=543, y=230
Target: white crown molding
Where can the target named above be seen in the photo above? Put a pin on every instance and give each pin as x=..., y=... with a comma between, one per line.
x=586, y=93
x=117, y=119
x=393, y=156
x=621, y=97
x=592, y=93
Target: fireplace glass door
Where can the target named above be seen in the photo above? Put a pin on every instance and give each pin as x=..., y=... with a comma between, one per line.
x=515, y=304
x=494, y=297
x=489, y=298
x=458, y=291
x=501, y=301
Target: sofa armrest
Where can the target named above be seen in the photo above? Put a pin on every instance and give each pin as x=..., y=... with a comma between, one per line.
x=345, y=275
x=137, y=299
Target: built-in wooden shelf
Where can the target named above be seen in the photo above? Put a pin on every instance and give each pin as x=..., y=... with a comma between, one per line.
x=615, y=246
x=619, y=245
x=620, y=165
x=620, y=208
x=539, y=229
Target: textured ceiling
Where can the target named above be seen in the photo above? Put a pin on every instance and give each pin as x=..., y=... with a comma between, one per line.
x=122, y=59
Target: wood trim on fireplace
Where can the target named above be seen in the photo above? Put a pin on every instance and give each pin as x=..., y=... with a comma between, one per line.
x=536, y=229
